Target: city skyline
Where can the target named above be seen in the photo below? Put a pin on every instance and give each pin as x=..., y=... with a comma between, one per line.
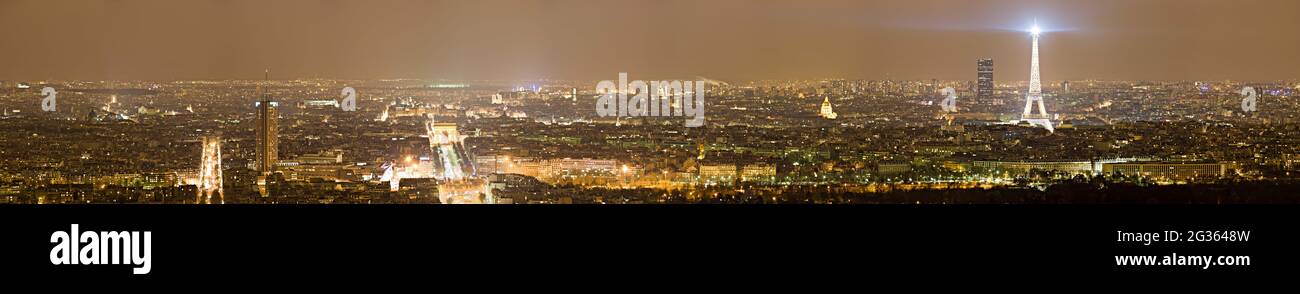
x=727, y=40
x=340, y=140
x=1017, y=132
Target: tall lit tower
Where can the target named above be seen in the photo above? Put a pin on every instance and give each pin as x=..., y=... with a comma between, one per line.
x=1035, y=94
x=984, y=78
x=1035, y=83
x=268, y=141
x=267, y=130
x=210, y=172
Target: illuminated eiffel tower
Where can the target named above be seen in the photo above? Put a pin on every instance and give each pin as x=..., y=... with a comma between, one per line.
x=1035, y=95
x=210, y=172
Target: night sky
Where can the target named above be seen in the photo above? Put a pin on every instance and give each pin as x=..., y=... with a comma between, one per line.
x=597, y=39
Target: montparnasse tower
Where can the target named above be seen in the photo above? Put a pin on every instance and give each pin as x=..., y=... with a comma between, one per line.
x=268, y=141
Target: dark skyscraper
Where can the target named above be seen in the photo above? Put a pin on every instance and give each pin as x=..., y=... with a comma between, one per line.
x=984, y=79
x=267, y=130
x=267, y=143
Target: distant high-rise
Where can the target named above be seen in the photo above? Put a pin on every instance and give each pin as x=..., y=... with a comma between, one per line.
x=984, y=78
x=267, y=130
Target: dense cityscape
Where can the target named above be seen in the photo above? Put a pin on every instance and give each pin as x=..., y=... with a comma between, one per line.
x=987, y=139
x=822, y=141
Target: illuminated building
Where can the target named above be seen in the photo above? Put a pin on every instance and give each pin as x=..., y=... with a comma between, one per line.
x=490, y=164
x=327, y=165
x=163, y=179
x=984, y=78
x=1020, y=168
x=893, y=168
x=550, y=169
x=1015, y=168
x=577, y=166
x=717, y=173
x=758, y=172
x=826, y=111
x=1169, y=171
